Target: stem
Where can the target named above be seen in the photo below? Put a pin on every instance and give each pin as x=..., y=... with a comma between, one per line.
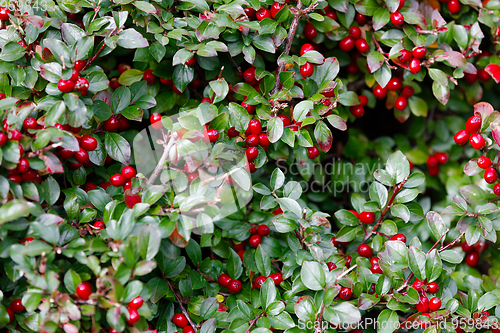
x=43, y=150
x=184, y=312
x=405, y=284
x=345, y=273
x=253, y=321
x=319, y=329
x=452, y=243
x=98, y=52
x=163, y=159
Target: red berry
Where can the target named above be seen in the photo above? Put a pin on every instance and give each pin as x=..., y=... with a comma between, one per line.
x=477, y=141
x=88, y=143
x=65, y=86
x=262, y=14
x=224, y=280
x=250, y=12
x=263, y=230
x=375, y=268
x=11, y=315
x=166, y=82
x=192, y=177
x=131, y=199
x=4, y=13
x=331, y=266
x=473, y=124
x=155, y=120
x=367, y=217
x=419, y=52
x=277, y=211
x=407, y=91
x=111, y=125
x=133, y=317
x=432, y=288
x=114, y=84
x=99, y=225
x=454, y=6
x=434, y=304
x=252, y=140
x=490, y=175
x=249, y=75
x=399, y=237
x=136, y=303
x=238, y=246
x=84, y=290
x=312, y=152
x=355, y=32
x=357, y=111
x=405, y=56
x=250, y=108
x=15, y=178
x=234, y=286
x=123, y=67
x=254, y=241
x=401, y=103
x=74, y=166
x=306, y=48
x=254, y=127
x=189, y=329
x=310, y=31
x=360, y=18
x=347, y=44
x=365, y=251
x=461, y=137
x=180, y=320
x=259, y=282
x=117, y=180
x=277, y=278
x=434, y=171
x=128, y=172
x=329, y=12
x=345, y=293
x=470, y=78
x=441, y=157
x=213, y=135
x=264, y=140
x=126, y=186
x=414, y=66
x=432, y=161
x=472, y=259
x=148, y=76
x=3, y=139
x=423, y=304
x=286, y=121
x=15, y=135
x=81, y=155
x=30, y=124
x=251, y=153
x=379, y=92
x=395, y=84
x=363, y=100
x=362, y=45
x=23, y=165
x=74, y=75
x=397, y=19
x=307, y=70
x=481, y=246
x=275, y=8
x=191, y=61
x=483, y=75
x=17, y=305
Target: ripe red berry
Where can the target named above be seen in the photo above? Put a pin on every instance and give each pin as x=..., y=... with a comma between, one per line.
x=286, y=121
x=65, y=86
x=15, y=135
x=490, y=175
x=180, y=320
x=331, y=13
x=254, y=127
x=401, y=103
x=405, y=56
x=454, y=6
x=345, y=293
x=277, y=278
x=306, y=48
x=4, y=13
x=3, y=139
x=262, y=14
x=155, y=120
x=136, y=303
x=166, y=82
x=258, y=282
x=423, y=304
x=88, y=143
x=250, y=12
x=17, y=305
x=397, y=19
x=399, y=237
x=496, y=189
x=252, y=140
x=255, y=241
x=191, y=61
x=419, y=52
x=15, y=178
x=249, y=75
x=483, y=75
x=213, y=135
x=357, y=111
x=84, y=290
x=312, y=152
x=347, y=44
x=81, y=156
x=111, y=125
x=441, y=157
x=483, y=162
x=149, y=77
x=307, y=70
x=355, y=32
x=362, y=45
x=467, y=248
x=414, y=66
x=275, y=8
x=365, y=251
x=363, y=100
x=407, y=91
x=128, y=173
x=192, y=177
x=472, y=259
x=30, y=124
x=360, y=18
x=224, y=280
x=263, y=230
x=395, y=84
x=264, y=140
x=473, y=124
x=131, y=199
x=117, y=180
x=238, y=246
x=376, y=269
x=432, y=161
x=477, y=141
x=310, y=31
x=251, y=153
x=234, y=286
x=232, y=132
x=379, y=92
x=99, y=225
x=434, y=304
x=461, y=137
x=367, y=217
x=418, y=285
x=11, y=315
x=432, y=287
x=114, y=84
x=331, y=266
x=23, y=165
x=470, y=78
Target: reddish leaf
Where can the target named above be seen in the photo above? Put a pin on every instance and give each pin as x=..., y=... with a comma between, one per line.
x=494, y=71
x=484, y=109
x=495, y=132
x=177, y=239
x=52, y=163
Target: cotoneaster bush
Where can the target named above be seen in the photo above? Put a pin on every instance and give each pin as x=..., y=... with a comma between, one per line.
x=401, y=227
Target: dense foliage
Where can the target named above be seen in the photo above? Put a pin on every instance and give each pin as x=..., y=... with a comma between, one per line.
x=244, y=166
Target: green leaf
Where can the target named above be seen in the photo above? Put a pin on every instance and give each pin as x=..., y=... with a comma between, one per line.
x=71, y=280
x=417, y=262
x=346, y=217
x=148, y=241
x=398, y=166
x=117, y=147
x=15, y=209
x=263, y=261
x=234, y=265
x=390, y=320
x=267, y=293
x=436, y=225
x=312, y=275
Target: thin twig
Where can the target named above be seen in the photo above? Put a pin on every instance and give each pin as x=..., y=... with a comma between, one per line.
x=99, y=51
x=184, y=312
x=163, y=159
x=253, y=321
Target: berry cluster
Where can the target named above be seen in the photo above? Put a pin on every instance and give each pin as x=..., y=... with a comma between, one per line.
x=307, y=69
x=259, y=281
x=233, y=286
x=354, y=40
x=473, y=252
x=181, y=321
x=79, y=158
x=434, y=161
x=75, y=82
x=471, y=133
